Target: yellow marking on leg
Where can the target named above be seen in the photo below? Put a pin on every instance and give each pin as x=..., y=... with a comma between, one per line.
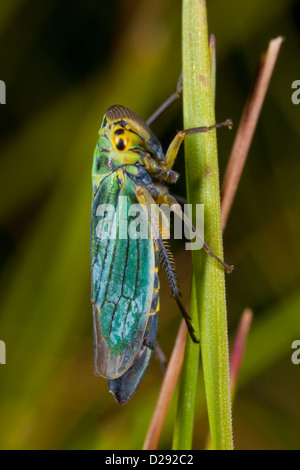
x=159, y=222
x=120, y=174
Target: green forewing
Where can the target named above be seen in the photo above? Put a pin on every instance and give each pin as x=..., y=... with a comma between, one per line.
x=122, y=280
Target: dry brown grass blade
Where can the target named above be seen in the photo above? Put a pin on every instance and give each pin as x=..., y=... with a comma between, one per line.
x=166, y=391
x=238, y=348
x=247, y=127
x=232, y=176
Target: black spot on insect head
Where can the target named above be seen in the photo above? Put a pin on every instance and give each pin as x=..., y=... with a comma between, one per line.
x=120, y=144
x=119, y=131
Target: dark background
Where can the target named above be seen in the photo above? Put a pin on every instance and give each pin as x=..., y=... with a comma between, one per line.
x=65, y=62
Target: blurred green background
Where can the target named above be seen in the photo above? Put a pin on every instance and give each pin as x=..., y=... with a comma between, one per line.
x=64, y=62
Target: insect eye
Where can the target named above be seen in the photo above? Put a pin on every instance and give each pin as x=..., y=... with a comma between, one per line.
x=121, y=144
x=121, y=141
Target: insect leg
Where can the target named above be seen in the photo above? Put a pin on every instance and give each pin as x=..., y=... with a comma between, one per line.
x=180, y=199
x=161, y=195
x=168, y=262
x=161, y=358
x=178, y=139
x=167, y=103
x=166, y=257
